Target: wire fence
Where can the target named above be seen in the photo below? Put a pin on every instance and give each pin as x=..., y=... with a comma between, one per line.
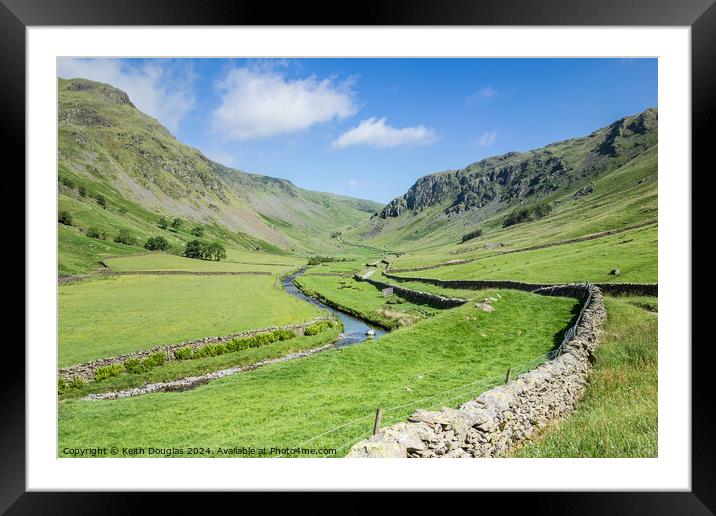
x=337, y=440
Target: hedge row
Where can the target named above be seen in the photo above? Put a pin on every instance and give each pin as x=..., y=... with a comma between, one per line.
x=135, y=366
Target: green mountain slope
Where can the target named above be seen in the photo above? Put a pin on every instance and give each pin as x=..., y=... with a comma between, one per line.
x=594, y=183
x=108, y=149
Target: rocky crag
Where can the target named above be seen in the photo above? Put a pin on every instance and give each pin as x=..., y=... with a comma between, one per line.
x=507, y=180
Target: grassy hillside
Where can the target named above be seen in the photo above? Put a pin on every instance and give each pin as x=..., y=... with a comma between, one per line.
x=119, y=168
x=595, y=183
x=605, y=222
x=632, y=252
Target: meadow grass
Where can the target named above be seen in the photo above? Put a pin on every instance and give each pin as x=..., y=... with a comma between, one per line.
x=170, y=262
x=632, y=252
x=79, y=254
x=282, y=405
x=115, y=315
x=365, y=300
x=618, y=415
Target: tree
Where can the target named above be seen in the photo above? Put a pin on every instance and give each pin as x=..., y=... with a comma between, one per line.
x=93, y=232
x=176, y=224
x=158, y=243
x=204, y=251
x=65, y=218
x=82, y=190
x=163, y=223
x=124, y=237
x=215, y=251
x=472, y=234
x=197, y=231
x=194, y=249
x=101, y=201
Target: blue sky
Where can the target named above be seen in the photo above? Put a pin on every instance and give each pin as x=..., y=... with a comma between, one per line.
x=370, y=127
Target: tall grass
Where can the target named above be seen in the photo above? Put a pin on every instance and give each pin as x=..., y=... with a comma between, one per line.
x=617, y=417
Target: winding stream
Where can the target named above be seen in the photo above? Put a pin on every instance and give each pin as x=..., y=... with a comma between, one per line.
x=354, y=328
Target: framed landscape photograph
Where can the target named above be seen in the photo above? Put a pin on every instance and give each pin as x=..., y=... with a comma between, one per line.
x=449, y=255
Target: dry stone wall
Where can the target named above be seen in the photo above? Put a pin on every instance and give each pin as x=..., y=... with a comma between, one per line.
x=87, y=370
x=641, y=289
x=415, y=296
x=504, y=416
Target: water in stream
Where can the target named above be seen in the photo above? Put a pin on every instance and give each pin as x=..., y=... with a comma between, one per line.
x=354, y=329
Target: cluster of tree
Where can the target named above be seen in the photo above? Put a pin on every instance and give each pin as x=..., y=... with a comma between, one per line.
x=315, y=260
x=158, y=243
x=197, y=231
x=175, y=225
x=472, y=234
x=204, y=250
x=534, y=212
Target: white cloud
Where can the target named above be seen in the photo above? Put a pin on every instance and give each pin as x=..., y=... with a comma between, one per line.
x=375, y=132
x=353, y=183
x=158, y=88
x=486, y=93
x=259, y=103
x=487, y=138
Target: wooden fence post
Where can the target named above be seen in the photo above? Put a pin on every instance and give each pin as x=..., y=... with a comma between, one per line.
x=378, y=417
x=507, y=378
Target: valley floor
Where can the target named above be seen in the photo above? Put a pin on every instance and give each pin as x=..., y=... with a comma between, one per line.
x=431, y=358
x=282, y=405
x=113, y=315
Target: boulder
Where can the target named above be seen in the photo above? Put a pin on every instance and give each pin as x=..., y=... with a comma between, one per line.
x=485, y=307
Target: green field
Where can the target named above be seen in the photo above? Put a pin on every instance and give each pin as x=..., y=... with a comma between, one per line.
x=365, y=300
x=176, y=369
x=110, y=316
x=285, y=404
x=632, y=252
x=618, y=415
x=170, y=262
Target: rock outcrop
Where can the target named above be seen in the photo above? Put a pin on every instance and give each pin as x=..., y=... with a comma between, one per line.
x=517, y=178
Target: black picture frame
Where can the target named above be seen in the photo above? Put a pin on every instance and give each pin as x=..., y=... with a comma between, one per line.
x=700, y=15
